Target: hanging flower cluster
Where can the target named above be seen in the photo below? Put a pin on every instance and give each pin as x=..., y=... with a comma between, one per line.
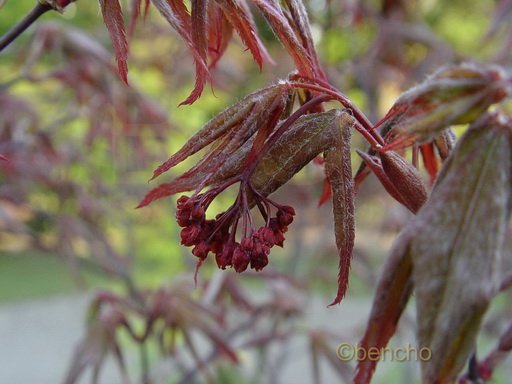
x=219, y=235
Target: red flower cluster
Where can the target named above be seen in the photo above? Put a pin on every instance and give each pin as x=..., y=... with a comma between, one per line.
x=219, y=235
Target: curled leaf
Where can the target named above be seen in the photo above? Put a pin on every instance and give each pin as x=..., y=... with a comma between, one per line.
x=406, y=178
x=444, y=143
x=400, y=179
x=453, y=95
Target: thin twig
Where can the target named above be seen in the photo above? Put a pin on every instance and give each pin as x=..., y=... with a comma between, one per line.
x=23, y=24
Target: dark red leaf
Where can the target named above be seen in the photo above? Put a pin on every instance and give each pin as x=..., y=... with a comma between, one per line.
x=242, y=22
x=135, y=14
x=113, y=17
x=177, y=15
x=219, y=33
x=219, y=126
x=200, y=47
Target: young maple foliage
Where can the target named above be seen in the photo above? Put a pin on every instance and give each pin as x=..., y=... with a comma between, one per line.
x=452, y=264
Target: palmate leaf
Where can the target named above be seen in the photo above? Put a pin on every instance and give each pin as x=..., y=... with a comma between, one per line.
x=113, y=17
x=227, y=133
x=207, y=31
x=309, y=136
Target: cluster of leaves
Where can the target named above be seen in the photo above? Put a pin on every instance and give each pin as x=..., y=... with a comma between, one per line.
x=175, y=320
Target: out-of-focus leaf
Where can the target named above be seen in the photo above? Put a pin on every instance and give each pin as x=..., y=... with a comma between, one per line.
x=338, y=168
x=391, y=296
x=502, y=14
x=100, y=340
x=453, y=95
x=321, y=348
x=113, y=17
x=485, y=368
x=456, y=263
x=444, y=143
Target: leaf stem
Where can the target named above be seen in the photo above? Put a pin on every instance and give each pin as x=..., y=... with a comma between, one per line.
x=278, y=133
x=364, y=127
x=36, y=12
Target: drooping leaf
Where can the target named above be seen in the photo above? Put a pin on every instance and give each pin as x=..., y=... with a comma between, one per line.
x=454, y=261
x=299, y=144
x=220, y=32
x=113, y=17
x=242, y=22
x=199, y=41
x=338, y=168
x=177, y=15
x=302, y=27
x=135, y=14
x=280, y=24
